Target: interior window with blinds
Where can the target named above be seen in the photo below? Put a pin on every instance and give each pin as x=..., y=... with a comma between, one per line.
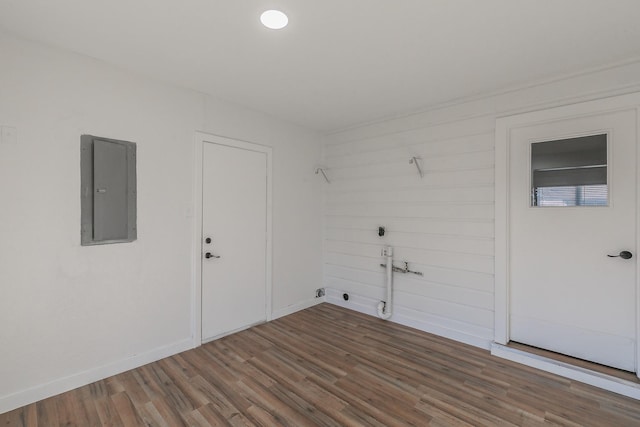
x=570, y=172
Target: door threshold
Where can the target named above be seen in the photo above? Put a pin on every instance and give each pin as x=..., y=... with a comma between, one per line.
x=567, y=370
x=581, y=363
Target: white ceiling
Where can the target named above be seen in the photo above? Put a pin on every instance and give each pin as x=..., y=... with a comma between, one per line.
x=339, y=62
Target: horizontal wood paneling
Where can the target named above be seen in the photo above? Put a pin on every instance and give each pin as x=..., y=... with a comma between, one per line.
x=441, y=224
x=414, y=210
x=394, y=167
x=451, y=260
x=410, y=180
x=446, y=243
x=371, y=272
x=412, y=286
x=446, y=226
x=363, y=270
x=470, y=195
x=433, y=149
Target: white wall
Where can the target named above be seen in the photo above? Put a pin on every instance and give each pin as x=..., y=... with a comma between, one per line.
x=73, y=314
x=442, y=224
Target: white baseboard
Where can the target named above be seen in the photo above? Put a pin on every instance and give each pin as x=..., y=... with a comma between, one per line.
x=61, y=385
x=281, y=312
x=413, y=319
x=596, y=379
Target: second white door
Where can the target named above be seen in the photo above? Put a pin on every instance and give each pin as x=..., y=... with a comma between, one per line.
x=234, y=239
x=573, y=203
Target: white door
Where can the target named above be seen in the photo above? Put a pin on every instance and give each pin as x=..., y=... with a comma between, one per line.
x=234, y=239
x=566, y=294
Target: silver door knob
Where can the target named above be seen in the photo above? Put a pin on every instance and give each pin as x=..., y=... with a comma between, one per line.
x=210, y=255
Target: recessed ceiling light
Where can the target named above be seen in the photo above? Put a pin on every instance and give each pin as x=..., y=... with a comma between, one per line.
x=274, y=19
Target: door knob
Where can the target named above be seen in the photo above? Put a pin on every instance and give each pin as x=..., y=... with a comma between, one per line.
x=210, y=255
x=623, y=255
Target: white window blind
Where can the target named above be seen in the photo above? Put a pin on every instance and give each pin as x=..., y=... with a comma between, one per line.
x=579, y=195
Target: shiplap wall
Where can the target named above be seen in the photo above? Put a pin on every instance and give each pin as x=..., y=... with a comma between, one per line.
x=442, y=224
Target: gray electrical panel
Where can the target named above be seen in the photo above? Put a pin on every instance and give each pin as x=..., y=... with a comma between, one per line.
x=108, y=186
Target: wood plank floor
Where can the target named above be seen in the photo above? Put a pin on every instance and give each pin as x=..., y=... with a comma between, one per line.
x=327, y=366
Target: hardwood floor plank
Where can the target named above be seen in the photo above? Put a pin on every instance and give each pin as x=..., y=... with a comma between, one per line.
x=22, y=417
x=113, y=385
x=87, y=396
x=169, y=413
x=166, y=388
x=390, y=409
x=264, y=418
x=125, y=409
x=195, y=398
x=74, y=410
x=47, y=412
x=357, y=417
x=107, y=412
x=153, y=417
x=132, y=387
x=264, y=399
x=215, y=418
x=315, y=355
x=469, y=412
x=311, y=411
x=196, y=419
x=328, y=366
x=223, y=401
x=439, y=417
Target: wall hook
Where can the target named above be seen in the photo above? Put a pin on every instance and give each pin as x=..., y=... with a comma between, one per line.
x=414, y=160
x=323, y=174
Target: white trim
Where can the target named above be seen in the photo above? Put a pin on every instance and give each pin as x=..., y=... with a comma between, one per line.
x=501, y=230
x=196, y=248
x=61, y=385
x=504, y=126
x=637, y=242
x=196, y=288
x=597, y=379
x=293, y=308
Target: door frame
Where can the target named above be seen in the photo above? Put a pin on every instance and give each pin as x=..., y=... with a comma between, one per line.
x=504, y=127
x=202, y=138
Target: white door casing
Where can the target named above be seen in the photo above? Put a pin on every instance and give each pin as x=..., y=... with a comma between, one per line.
x=592, y=315
x=233, y=209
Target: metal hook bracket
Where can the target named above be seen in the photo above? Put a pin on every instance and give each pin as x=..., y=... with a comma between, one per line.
x=414, y=160
x=321, y=170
